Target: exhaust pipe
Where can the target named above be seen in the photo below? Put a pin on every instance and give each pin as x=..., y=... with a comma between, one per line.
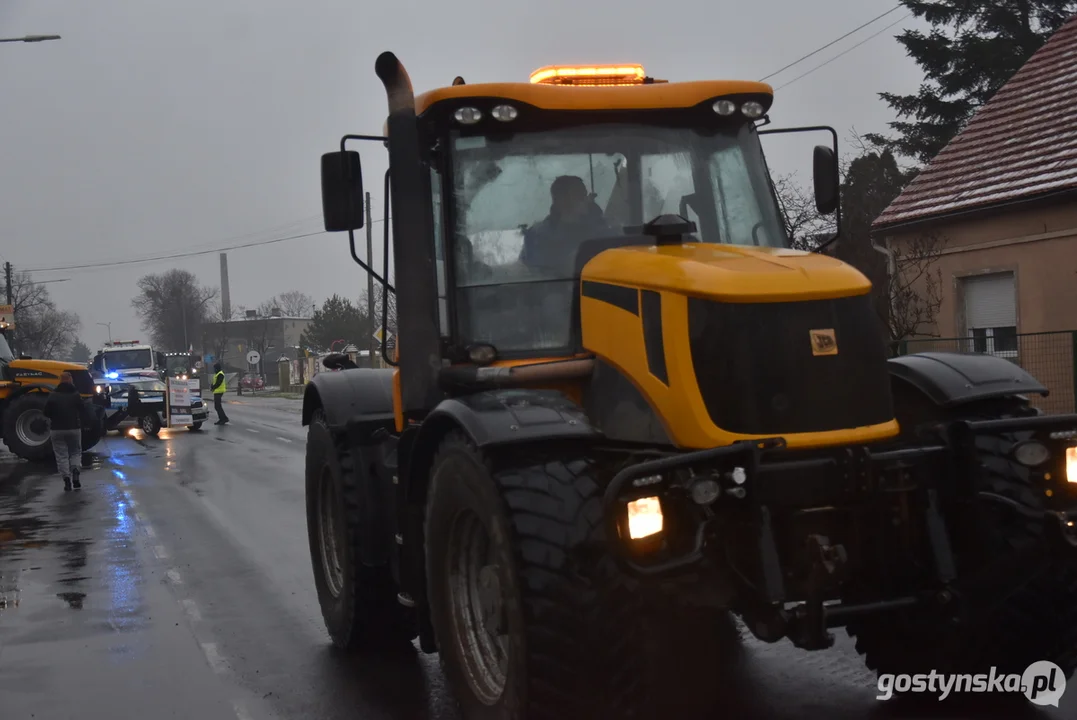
x=397, y=83
x=413, y=246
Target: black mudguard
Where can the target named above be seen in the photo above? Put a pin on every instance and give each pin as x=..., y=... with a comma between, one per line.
x=349, y=394
x=951, y=379
x=493, y=418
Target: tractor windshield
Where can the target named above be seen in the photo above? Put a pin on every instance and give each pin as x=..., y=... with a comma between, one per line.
x=525, y=202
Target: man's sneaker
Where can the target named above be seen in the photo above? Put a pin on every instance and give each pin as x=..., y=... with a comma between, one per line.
x=75, y=472
x=67, y=484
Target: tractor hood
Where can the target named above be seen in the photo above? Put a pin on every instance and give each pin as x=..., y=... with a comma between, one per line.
x=729, y=273
x=43, y=368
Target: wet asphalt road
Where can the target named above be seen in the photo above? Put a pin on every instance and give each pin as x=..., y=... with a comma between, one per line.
x=177, y=584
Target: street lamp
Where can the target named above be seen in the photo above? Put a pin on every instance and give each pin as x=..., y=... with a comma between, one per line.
x=31, y=38
x=109, y=326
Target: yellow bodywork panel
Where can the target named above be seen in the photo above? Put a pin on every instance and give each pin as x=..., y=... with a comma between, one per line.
x=623, y=97
x=722, y=273
x=729, y=273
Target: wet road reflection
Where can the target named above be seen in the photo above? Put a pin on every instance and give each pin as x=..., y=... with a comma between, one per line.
x=181, y=575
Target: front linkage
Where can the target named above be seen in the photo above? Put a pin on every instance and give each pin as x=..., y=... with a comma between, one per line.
x=800, y=581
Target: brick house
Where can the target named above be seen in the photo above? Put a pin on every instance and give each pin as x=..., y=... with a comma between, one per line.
x=998, y=209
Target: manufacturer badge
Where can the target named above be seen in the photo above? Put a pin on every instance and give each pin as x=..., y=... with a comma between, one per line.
x=823, y=342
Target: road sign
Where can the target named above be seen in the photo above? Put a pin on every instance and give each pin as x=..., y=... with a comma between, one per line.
x=7, y=315
x=253, y=357
x=378, y=334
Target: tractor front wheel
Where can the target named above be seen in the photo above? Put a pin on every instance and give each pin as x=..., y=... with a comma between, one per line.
x=359, y=602
x=26, y=429
x=530, y=618
x=1037, y=621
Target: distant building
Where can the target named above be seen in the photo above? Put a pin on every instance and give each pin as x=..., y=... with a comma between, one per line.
x=272, y=336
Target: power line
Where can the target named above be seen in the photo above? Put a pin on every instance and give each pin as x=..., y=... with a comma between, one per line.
x=846, y=52
x=175, y=256
x=831, y=43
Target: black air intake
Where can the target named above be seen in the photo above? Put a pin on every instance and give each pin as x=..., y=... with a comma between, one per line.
x=758, y=373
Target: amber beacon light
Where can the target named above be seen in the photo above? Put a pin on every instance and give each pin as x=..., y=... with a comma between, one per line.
x=589, y=75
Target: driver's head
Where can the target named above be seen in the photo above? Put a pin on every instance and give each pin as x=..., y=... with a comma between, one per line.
x=569, y=196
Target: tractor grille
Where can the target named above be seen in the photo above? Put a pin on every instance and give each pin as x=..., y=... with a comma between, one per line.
x=83, y=381
x=758, y=373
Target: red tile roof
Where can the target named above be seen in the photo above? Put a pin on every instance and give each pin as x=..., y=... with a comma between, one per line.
x=1022, y=143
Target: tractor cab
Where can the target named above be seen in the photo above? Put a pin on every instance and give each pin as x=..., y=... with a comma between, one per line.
x=518, y=205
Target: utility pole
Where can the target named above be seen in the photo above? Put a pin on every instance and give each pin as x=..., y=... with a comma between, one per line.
x=370, y=280
x=7, y=280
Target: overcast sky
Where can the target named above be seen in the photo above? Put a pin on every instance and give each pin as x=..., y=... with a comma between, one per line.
x=157, y=128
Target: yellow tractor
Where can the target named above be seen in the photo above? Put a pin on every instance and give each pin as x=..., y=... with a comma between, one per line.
x=617, y=389
x=24, y=385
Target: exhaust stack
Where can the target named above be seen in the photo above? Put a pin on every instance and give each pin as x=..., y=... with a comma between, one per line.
x=419, y=337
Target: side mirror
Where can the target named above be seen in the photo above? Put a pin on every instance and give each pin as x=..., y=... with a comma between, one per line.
x=827, y=182
x=342, y=191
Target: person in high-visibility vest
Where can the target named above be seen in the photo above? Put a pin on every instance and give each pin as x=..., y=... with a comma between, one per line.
x=219, y=388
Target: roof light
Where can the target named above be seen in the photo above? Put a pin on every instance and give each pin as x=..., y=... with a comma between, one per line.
x=504, y=113
x=725, y=107
x=468, y=115
x=589, y=75
x=752, y=109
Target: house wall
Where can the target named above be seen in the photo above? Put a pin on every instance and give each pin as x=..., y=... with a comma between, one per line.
x=1039, y=246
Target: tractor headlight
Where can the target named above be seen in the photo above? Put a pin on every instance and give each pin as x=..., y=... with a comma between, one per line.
x=1071, y=464
x=1031, y=453
x=645, y=517
x=482, y=353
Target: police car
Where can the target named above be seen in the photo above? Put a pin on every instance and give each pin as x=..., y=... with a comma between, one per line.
x=138, y=400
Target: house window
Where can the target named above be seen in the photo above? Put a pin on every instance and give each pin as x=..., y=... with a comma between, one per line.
x=991, y=314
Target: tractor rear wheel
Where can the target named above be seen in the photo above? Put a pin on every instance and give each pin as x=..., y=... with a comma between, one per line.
x=359, y=603
x=524, y=597
x=1036, y=622
x=26, y=429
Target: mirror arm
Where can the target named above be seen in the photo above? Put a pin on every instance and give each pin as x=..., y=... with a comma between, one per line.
x=351, y=233
x=355, y=257
x=834, y=135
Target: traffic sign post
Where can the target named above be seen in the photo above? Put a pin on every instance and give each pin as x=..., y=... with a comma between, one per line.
x=253, y=357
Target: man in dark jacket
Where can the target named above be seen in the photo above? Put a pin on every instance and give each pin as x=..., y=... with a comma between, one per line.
x=551, y=244
x=66, y=410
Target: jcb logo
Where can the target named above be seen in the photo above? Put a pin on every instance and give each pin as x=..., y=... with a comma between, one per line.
x=823, y=342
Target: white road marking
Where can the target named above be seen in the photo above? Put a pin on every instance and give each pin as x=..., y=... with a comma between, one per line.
x=174, y=576
x=283, y=439
x=192, y=610
x=149, y=531
x=160, y=552
x=252, y=430
x=214, y=658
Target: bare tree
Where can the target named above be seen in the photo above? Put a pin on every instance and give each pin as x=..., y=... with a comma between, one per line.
x=295, y=304
x=915, y=288
x=804, y=225
x=173, y=307
x=41, y=329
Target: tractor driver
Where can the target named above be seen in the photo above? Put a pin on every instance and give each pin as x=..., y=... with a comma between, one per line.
x=551, y=244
